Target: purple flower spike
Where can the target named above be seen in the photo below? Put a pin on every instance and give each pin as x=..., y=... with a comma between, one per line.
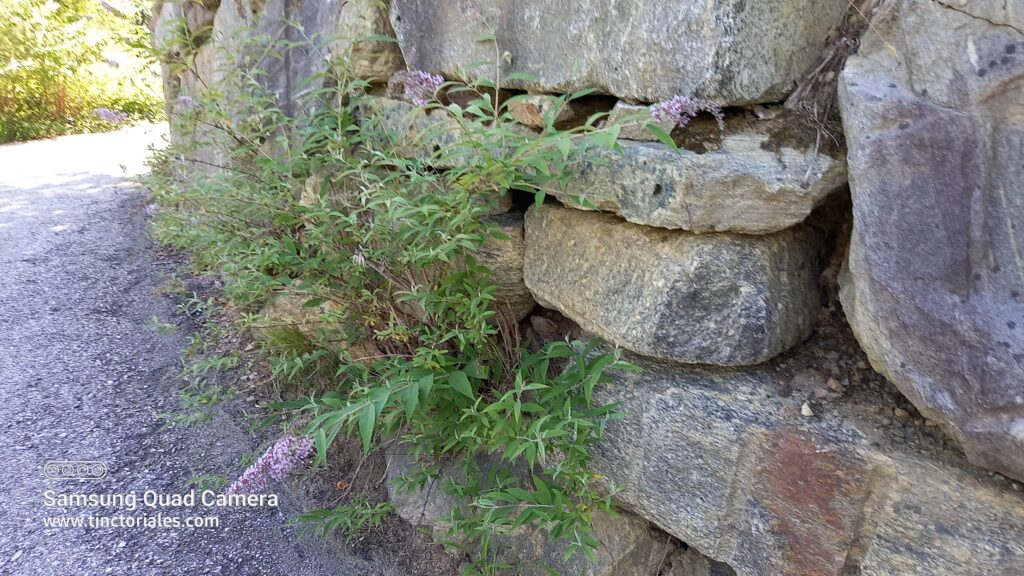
x=188, y=102
x=275, y=463
x=679, y=110
x=112, y=116
x=420, y=86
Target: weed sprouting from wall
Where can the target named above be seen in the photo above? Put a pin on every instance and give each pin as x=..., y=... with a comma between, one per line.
x=401, y=336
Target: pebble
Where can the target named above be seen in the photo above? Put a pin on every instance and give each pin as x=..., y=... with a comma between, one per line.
x=805, y=410
x=900, y=413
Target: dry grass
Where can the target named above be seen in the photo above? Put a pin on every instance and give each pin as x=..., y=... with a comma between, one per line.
x=813, y=102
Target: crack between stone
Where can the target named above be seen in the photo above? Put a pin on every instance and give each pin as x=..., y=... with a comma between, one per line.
x=982, y=18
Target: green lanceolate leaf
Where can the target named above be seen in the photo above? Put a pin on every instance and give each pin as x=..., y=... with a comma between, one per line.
x=367, y=419
x=460, y=383
x=661, y=134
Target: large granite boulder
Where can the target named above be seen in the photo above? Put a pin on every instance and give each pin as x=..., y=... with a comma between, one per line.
x=731, y=51
x=690, y=562
x=724, y=461
x=286, y=312
x=725, y=299
x=749, y=182
x=933, y=109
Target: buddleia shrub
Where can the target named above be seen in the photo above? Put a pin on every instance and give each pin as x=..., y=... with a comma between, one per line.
x=377, y=232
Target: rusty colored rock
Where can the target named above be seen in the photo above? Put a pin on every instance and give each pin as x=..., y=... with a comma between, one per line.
x=721, y=460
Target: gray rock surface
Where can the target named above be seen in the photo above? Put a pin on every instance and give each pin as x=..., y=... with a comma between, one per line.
x=354, y=21
x=934, y=287
x=690, y=562
x=701, y=298
x=199, y=16
x=415, y=133
x=744, y=184
x=323, y=32
x=537, y=110
x=731, y=51
x=722, y=460
x=504, y=257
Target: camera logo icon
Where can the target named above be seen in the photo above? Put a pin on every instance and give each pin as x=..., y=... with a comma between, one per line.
x=74, y=470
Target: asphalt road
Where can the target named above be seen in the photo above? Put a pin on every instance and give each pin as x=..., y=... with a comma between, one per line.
x=83, y=378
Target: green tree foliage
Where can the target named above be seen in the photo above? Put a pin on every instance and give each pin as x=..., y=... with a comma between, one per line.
x=62, y=61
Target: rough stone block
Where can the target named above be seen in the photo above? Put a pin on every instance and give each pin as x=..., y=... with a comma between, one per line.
x=416, y=133
x=698, y=298
x=533, y=111
x=288, y=309
x=631, y=117
x=199, y=16
x=745, y=184
x=690, y=562
x=722, y=460
x=731, y=51
x=352, y=23
x=934, y=279
x=937, y=520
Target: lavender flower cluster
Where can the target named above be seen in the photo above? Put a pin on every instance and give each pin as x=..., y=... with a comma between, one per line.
x=419, y=86
x=112, y=116
x=188, y=102
x=679, y=110
x=277, y=461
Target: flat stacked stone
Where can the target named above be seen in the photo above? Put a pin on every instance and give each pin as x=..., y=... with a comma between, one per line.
x=726, y=299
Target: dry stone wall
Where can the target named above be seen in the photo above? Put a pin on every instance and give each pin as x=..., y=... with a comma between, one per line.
x=759, y=434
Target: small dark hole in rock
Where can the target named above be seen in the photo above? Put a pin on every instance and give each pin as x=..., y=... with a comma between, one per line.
x=657, y=190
